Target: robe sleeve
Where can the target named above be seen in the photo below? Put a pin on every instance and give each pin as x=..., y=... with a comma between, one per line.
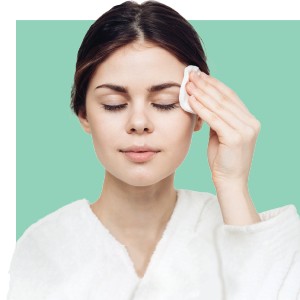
x=262, y=260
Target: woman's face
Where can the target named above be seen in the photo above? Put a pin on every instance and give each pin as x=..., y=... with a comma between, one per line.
x=144, y=115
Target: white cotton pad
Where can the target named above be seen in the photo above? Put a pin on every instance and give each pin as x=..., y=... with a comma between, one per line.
x=183, y=95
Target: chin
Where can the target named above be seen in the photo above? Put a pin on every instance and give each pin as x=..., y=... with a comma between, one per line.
x=147, y=180
x=141, y=182
x=140, y=179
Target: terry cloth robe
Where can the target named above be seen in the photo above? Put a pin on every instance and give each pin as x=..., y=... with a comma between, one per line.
x=71, y=255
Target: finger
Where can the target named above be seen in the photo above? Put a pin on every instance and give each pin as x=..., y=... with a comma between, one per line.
x=218, y=87
x=223, y=101
x=225, y=132
x=219, y=109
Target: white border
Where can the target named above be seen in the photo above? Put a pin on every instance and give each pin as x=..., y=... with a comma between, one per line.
x=85, y=10
x=7, y=144
x=190, y=9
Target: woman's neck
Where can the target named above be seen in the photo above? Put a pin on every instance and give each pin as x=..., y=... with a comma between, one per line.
x=134, y=212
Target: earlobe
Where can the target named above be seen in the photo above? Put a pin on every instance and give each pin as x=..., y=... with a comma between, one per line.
x=198, y=124
x=84, y=122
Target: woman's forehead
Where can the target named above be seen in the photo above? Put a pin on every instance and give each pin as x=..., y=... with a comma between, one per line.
x=144, y=62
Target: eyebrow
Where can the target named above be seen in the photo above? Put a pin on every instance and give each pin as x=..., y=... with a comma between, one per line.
x=152, y=89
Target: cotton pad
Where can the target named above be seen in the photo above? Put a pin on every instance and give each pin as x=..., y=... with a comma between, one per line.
x=183, y=95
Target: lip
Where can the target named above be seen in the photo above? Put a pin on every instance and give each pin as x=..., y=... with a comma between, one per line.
x=139, y=153
x=144, y=148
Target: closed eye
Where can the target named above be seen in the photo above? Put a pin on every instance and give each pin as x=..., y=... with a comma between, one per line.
x=114, y=107
x=165, y=107
x=157, y=106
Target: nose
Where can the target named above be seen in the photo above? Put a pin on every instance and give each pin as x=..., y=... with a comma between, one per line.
x=139, y=121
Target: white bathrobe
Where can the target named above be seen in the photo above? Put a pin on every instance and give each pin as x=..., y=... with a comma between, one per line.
x=70, y=255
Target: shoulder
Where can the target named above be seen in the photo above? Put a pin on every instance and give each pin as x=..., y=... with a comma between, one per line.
x=61, y=219
x=54, y=249
x=50, y=236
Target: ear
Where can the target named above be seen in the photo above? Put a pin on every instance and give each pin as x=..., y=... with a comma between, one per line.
x=82, y=116
x=198, y=123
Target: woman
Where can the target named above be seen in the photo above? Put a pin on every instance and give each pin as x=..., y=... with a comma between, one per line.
x=143, y=239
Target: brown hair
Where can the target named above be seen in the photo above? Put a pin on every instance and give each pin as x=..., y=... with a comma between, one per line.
x=125, y=23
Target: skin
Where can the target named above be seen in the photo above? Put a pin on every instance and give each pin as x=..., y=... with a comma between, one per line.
x=138, y=199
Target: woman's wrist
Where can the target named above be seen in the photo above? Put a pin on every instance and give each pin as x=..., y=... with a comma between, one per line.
x=236, y=205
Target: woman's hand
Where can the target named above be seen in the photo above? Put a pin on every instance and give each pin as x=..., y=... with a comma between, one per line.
x=233, y=134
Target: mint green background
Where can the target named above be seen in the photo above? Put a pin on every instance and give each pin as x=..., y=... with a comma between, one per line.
x=56, y=162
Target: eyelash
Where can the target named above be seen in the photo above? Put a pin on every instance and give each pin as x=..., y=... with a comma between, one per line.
x=121, y=106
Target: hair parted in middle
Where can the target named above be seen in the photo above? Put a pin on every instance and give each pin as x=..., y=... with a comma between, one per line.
x=126, y=23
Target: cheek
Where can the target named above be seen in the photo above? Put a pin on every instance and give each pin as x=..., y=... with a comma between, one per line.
x=104, y=133
x=179, y=133
x=183, y=125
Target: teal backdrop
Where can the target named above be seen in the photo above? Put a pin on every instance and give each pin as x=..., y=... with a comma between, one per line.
x=56, y=162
